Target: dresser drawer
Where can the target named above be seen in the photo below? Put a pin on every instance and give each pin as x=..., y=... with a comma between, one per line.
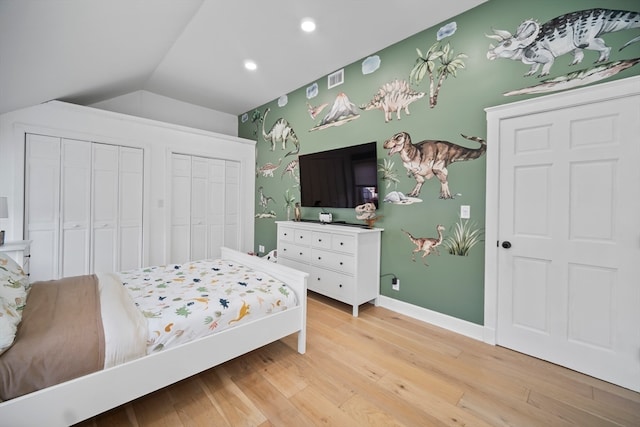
x=321, y=240
x=343, y=243
x=332, y=284
x=294, y=252
x=335, y=261
x=285, y=234
x=302, y=237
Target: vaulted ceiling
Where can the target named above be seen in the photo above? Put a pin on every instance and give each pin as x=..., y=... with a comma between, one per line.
x=85, y=51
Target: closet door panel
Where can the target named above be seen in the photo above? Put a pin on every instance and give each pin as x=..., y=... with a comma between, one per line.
x=232, y=205
x=215, y=207
x=199, y=180
x=131, y=180
x=42, y=204
x=180, y=208
x=105, y=207
x=75, y=209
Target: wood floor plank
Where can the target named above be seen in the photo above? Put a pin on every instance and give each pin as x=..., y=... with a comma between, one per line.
x=380, y=369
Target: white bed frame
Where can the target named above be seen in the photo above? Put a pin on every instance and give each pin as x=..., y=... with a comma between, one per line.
x=76, y=400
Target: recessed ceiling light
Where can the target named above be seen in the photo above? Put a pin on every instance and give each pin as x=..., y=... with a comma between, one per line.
x=250, y=65
x=308, y=25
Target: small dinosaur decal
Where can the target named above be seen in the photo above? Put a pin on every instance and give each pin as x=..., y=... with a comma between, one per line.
x=430, y=158
x=426, y=245
x=268, y=169
x=393, y=97
x=537, y=45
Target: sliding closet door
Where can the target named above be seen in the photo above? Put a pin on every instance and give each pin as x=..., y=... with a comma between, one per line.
x=42, y=205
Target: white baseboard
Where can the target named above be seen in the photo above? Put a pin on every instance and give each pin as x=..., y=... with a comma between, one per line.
x=450, y=323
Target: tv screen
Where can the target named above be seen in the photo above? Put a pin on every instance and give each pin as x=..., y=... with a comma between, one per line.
x=339, y=178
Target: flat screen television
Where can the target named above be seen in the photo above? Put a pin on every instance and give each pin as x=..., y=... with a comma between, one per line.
x=340, y=178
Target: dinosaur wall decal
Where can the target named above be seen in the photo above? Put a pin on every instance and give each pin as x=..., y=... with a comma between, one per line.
x=426, y=245
x=281, y=131
x=430, y=158
x=537, y=45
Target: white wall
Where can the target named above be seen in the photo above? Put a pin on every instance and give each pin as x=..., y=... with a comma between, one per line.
x=158, y=140
x=149, y=105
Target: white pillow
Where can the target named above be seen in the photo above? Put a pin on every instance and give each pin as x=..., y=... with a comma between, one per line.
x=14, y=284
x=9, y=320
x=125, y=327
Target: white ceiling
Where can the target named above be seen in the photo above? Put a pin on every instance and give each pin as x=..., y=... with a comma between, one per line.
x=85, y=51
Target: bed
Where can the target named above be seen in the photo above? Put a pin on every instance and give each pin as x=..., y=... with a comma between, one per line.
x=156, y=350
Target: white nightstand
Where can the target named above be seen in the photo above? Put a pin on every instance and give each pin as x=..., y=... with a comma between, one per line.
x=19, y=251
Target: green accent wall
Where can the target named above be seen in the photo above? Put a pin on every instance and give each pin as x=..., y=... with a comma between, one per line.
x=451, y=284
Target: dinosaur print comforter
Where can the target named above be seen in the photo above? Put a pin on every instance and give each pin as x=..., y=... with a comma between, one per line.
x=183, y=302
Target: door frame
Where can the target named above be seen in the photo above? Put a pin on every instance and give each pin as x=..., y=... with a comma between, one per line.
x=601, y=92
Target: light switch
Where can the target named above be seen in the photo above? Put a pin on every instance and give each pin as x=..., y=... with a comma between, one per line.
x=465, y=211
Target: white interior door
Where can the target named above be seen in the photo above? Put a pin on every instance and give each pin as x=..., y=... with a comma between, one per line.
x=569, y=205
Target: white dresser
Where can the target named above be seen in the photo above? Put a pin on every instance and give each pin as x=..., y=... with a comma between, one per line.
x=343, y=261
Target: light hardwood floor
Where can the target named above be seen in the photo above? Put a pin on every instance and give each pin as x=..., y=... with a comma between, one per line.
x=381, y=369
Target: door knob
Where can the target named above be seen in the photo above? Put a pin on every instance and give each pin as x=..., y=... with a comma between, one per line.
x=506, y=244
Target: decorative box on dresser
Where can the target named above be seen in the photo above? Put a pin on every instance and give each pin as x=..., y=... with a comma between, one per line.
x=19, y=250
x=343, y=261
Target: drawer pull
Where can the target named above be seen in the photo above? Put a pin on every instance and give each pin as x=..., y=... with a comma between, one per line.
x=340, y=285
x=319, y=257
x=340, y=262
x=341, y=243
x=300, y=253
x=318, y=279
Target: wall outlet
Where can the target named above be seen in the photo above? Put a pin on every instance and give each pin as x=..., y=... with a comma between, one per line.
x=395, y=284
x=261, y=249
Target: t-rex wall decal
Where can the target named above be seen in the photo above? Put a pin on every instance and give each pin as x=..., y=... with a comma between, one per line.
x=430, y=158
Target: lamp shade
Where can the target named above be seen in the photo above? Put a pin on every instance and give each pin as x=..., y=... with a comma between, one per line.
x=4, y=208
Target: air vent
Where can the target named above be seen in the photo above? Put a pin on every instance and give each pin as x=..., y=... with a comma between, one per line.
x=335, y=79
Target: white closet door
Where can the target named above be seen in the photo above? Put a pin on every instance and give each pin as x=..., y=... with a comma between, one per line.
x=199, y=181
x=75, y=208
x=131, y=179
x=105, y=207
x=180, y=208
x=42, y=205
x=232, y=205
x=216, y=206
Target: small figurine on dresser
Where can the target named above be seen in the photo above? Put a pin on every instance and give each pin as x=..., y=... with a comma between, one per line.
x=297, y=214
x=367, y=213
